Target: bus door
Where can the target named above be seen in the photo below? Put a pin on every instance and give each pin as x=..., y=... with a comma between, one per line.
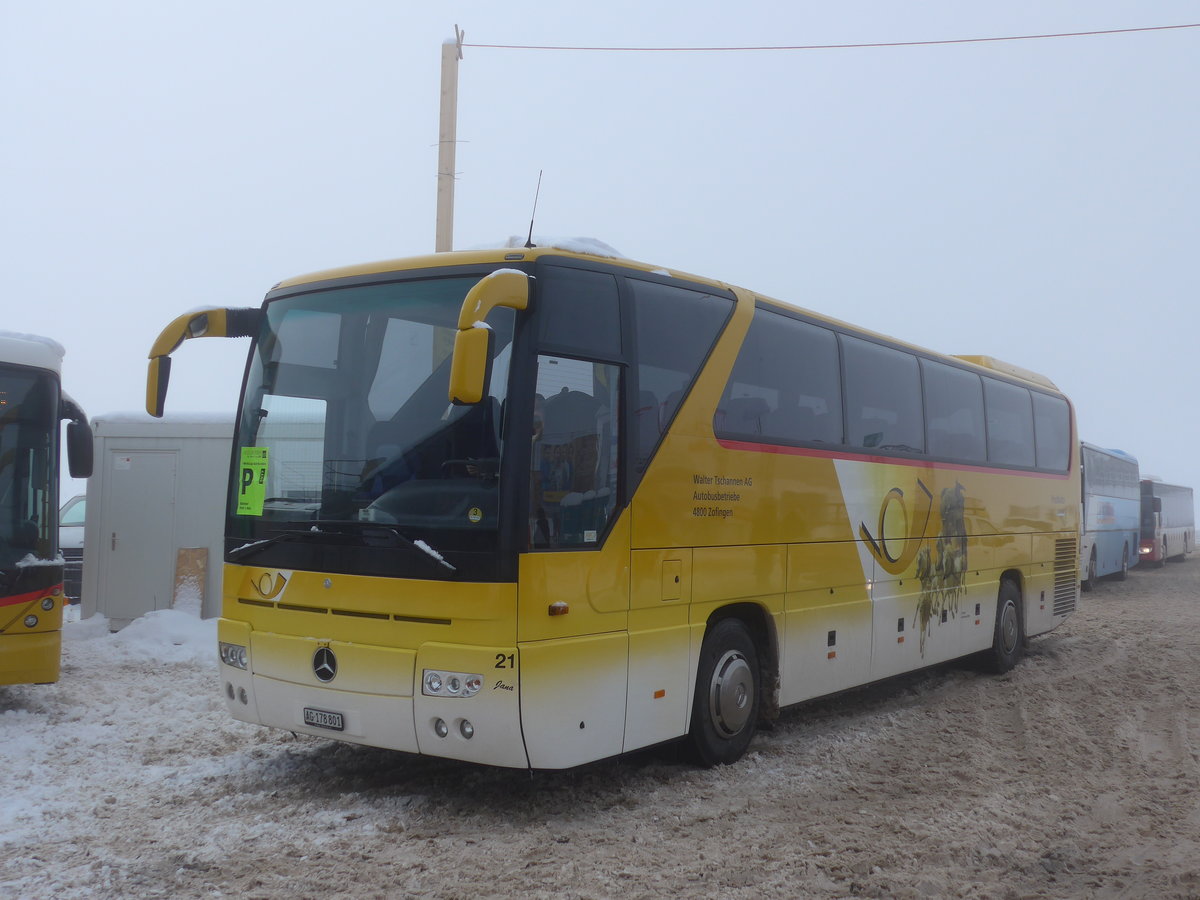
x=573, y=582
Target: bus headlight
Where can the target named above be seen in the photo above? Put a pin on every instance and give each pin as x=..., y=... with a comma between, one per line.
x=47, y=603
x=435, y=683
x=232, y=654
x=31, y=621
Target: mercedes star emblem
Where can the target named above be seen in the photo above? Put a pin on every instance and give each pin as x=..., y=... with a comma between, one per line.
x=324, y=664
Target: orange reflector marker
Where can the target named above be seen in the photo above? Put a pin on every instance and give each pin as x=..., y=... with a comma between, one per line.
x=559, y=608
x=659, y=694
x=900, y=640
x=831, y=655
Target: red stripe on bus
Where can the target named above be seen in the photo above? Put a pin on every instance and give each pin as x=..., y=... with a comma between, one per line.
x=17, y=599
x=885, y=460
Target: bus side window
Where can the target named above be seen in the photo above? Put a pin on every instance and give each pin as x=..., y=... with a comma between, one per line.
x=675, y=329
x=1009, y=423
x=883, y=397
x=788, y=370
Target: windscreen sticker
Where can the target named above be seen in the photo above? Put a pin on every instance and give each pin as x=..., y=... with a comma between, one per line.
x=252, y=481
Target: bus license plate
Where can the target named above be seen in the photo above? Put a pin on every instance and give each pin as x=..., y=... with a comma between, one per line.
x=324, y=719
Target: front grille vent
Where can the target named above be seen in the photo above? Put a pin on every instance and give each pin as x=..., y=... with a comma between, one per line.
x=1066, y=576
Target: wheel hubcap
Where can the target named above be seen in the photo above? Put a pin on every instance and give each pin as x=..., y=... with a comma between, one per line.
x=731, y=693
x=1009, y=628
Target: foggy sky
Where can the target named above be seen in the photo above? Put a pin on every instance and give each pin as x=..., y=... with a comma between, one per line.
x=1031, y=200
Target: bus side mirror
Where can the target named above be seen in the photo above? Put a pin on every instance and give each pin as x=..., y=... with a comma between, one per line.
x=79, y=439
x=470, y=367
x=212, y=322
x=156, y=385
x=79, y=450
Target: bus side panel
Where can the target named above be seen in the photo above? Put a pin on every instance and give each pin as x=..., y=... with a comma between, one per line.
x=661, y=670
x=573, y=699
x=827, y=623
x=594, y=585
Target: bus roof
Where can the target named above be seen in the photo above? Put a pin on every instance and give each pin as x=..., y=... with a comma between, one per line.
x=514, y=250
x=31, y=350
x=1119, y=454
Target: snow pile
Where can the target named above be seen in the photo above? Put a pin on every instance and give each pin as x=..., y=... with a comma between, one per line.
x=164, y=635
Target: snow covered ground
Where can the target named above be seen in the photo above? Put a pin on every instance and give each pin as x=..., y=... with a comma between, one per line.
x=1075, y=775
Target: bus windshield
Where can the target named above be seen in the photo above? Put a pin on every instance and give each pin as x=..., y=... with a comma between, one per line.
x=28, y=450
x=348, y=451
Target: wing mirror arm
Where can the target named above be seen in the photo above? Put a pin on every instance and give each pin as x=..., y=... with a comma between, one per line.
x=471, y=364
x=212, y=322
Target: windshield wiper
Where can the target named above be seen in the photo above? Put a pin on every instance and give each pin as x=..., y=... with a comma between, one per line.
x=374, y=532
x=247, y=549
x=369, y=532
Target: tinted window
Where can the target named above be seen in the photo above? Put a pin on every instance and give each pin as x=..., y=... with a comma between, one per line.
x=883, y=397
x=1009, y=423
x=785, y=385
x=954, y=409
x=1052, y=427
x=1103, y=474
x=675, y=329
x=580, y=312
x=575, y=458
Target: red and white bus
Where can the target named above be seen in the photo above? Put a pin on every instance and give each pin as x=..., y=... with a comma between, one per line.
x=1168, y=522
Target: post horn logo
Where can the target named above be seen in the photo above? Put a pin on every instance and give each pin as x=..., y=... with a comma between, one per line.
x=899, y=525
x=268, y=585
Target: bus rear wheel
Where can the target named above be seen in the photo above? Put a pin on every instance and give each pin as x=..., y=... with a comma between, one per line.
x=1124, y=572
x=1008, y=638
x=725, y=705
x=1089, y=580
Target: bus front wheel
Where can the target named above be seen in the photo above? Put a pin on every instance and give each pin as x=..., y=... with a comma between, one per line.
x=1008, y=638
x=725, y=706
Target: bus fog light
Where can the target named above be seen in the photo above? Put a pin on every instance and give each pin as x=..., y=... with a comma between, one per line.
x=233, y=654
x=229, y=689
x=466, y=729
x=243, y=696
x=31, y=621
x=47, y=603
x=440, y=728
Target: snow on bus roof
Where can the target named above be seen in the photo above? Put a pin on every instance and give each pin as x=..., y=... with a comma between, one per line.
x=590, y=246
x=31, y=350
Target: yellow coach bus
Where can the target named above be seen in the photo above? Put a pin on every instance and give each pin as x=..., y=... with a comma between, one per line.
x=32, y=404
x=535, y=507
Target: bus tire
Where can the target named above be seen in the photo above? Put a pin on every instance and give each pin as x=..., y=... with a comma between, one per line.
x=1123, y=572
x=1089, y=578
x=725, y=705
x=1008, y=637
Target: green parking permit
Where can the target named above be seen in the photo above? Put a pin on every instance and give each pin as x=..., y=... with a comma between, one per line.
x=252, y=481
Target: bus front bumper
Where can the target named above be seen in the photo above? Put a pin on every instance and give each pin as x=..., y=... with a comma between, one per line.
x=374, y=695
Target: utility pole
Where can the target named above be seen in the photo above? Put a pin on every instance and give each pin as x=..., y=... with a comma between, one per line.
x=447, y=137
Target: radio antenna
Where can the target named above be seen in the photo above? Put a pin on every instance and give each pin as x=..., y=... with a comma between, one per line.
x=529, y=241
